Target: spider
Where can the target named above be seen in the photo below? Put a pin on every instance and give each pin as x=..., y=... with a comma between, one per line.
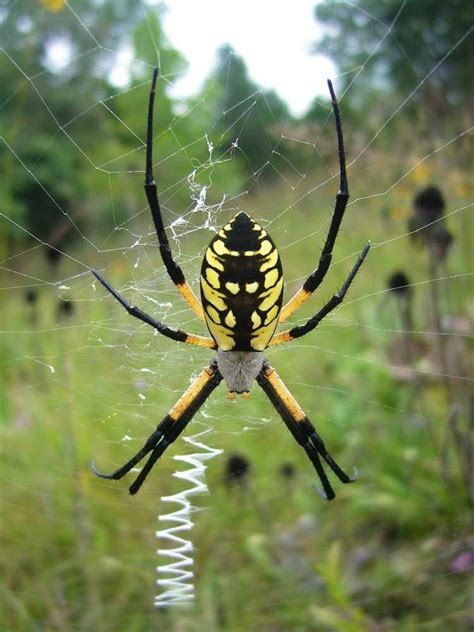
x=241, y=303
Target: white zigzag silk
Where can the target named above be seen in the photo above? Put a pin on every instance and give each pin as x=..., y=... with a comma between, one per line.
x=178, y=575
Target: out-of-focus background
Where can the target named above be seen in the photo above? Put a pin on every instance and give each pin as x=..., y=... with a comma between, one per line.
x=242, y=122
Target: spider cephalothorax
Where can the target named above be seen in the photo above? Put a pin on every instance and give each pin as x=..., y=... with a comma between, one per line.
x=241, y=304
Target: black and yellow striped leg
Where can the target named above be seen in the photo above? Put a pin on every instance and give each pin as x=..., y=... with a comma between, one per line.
x=170, y=427
x=301, y=428
x=175, y=334
x=174, y=271
x=297, y=332
x=315, y=278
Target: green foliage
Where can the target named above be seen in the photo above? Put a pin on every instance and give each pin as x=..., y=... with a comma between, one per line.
x=58, y=182
x=272, y=555
x=249, y=119
x=340, y=614
x=421, y=35
x=51, y=104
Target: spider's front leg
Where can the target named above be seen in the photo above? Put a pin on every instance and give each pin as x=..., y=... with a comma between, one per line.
x=170, y=427
x=173, y=269
x=175, y=334
x=316, y=278
x=301, y=428
x=312, y=323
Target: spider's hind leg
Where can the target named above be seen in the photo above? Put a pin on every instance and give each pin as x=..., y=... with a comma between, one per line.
x=301, y=428
x=171, y=426
x=318, y=443
x=151, y=443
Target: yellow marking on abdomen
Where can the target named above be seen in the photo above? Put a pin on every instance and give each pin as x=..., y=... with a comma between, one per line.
x=259, y=342
x=270, y=261
x=251, y=287
x=256, y=320
x=271, y=277
x=221, y=249
x=232, y=287
x=213, y=314
x=221, y=335
x=272, y=297
x=265, y=247
x=213, y=277
x=212, y=296
x=230, y=320
x=212, y=260
x=271, y=314
x=263, y=335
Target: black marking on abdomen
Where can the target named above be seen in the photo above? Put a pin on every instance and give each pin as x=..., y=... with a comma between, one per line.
x=238, y=290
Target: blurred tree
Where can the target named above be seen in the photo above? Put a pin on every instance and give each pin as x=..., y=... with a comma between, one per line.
x=53, y=67
x=73, y=151
x=249, y=119
x=319, y=110
x=423, y=35
x=66, y=122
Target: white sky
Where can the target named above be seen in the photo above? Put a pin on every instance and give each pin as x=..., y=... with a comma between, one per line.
x=274, y=38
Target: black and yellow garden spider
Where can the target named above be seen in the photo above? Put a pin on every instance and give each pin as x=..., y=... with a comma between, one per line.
x=241, y=304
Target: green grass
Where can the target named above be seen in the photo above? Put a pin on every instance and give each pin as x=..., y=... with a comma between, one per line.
x=79, y=553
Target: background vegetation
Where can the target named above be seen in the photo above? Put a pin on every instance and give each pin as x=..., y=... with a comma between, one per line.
x=386, y=379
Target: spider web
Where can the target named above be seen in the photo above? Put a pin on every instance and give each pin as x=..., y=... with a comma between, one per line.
x=85, y=382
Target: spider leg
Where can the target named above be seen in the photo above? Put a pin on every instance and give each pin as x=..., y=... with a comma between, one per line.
x=296, y=332
x=315, y=278
x=301, y=428
x=150, y=444
x=174, y=271
x=170, y=427
x=175, y=334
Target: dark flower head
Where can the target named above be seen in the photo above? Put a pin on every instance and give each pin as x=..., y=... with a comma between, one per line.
x=237, y=469
x=65, y=308
x=287, y=470
x=399, y=284
x=31, y=296
x=53, y=255
x=429, y=205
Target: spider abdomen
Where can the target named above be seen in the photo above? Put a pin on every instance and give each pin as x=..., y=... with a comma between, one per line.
x=242, y=286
